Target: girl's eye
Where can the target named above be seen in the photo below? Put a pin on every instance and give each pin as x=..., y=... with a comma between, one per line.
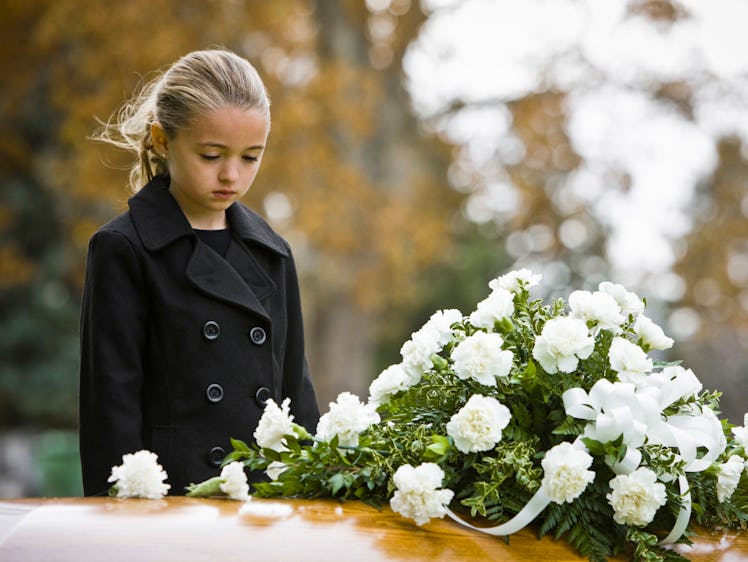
x=250, y=158
x=209, y=156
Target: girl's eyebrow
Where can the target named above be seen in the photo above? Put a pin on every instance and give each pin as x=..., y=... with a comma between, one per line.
x=219, y=145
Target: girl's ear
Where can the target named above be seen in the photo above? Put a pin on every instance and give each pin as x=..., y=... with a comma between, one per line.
x=159, y=140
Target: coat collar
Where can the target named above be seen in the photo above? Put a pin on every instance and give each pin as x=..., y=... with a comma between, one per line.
x=160, y=221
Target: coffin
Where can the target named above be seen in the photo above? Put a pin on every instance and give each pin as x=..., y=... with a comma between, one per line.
x=187, y=529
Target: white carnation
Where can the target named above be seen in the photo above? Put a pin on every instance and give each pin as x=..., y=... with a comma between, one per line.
x=418, y=496
x=427, y=341
x=499, y=304
x=651, y=334
x=347, y=418
x=741, y=433
x=390, y=381
x=478, y=424
x=728, y=477
x=562, y=343
x=139, y=476
x=440, y=325
x=565, y=472
x=274, y=424
x=417, y=352
x=599, y=308
x=636, y=497
x=513, y=280
x=629, y=302
x=274, y=470
x=629, y=360
x=234, y=481
x=480, y=357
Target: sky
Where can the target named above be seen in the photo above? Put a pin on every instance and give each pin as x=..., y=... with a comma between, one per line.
x=478, y=50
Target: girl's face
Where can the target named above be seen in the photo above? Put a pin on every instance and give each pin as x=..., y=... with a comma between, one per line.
x=214, y=162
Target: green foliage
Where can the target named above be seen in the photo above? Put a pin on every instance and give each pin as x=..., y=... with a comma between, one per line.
x=587, y=524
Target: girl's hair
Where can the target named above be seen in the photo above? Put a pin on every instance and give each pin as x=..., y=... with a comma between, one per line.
x=199, y=82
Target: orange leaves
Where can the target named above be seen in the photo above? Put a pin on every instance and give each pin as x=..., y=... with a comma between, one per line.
x=15, y=268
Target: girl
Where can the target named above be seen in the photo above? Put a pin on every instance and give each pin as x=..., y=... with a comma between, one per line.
x=191, y=316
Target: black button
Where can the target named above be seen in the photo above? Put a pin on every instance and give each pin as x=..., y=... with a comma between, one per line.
x=215, y=456
x=257, y=335
x=214, y=393
x=262, y=395
x=211, y=330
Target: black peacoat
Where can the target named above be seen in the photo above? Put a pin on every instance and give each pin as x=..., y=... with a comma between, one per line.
x=181, y=347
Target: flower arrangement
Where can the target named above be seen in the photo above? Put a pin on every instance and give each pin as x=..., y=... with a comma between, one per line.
x=524, y=412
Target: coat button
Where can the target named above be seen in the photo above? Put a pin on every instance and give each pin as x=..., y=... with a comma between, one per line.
x=211, y=330
x=257, y=335
x=216, y=455
x=214, y=392
x=262, y=395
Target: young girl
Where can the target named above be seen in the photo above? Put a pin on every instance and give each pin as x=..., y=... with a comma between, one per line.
x=191, y=318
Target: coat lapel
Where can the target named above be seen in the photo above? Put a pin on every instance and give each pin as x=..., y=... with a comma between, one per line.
x=221, y=278
x=237, y=279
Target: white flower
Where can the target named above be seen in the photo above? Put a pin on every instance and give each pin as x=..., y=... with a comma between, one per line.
x=499, y=304
x=480, y=357
x=599, y=308
x=629, y=360
x=234, y=481
x=651, y=334
x=274, y=470
x=140, y=476
x=390, y=381
x=629, y=302
x=418, y=496
x=274, y=424
x=565, y=472
x=513, y=280
x=347, y=418
x=427, y=341
x=440, y=325
x=478, y=424
x=741, y=433
x=417, y=352
x=562, y=343
x=728, y=477
x=636, y=497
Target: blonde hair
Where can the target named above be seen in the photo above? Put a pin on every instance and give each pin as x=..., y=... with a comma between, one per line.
x=197, y=83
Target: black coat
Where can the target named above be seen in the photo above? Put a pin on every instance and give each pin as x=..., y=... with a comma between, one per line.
x=180, y=347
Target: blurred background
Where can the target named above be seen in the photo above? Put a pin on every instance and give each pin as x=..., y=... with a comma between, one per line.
x=418, y=150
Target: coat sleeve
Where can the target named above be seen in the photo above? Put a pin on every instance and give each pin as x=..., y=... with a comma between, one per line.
x=297, y=382
x=113, y=334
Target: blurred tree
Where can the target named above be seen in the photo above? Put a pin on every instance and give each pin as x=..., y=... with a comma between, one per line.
x=715, y=263
x=348, y=177
x=38, y=350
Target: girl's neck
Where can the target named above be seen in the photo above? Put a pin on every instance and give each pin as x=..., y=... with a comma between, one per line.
x=211, y=222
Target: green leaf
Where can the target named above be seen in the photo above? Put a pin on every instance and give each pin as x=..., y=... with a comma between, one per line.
x=440, y=445
x=595, y=448
x=239, y=445
x=531, y=370
x=336, y=482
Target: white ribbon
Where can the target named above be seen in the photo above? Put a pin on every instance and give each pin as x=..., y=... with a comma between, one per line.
x=684, y=515
x=527, y=514
x=636, y=413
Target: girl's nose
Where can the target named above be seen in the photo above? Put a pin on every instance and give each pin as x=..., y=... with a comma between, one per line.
x=229, y=171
